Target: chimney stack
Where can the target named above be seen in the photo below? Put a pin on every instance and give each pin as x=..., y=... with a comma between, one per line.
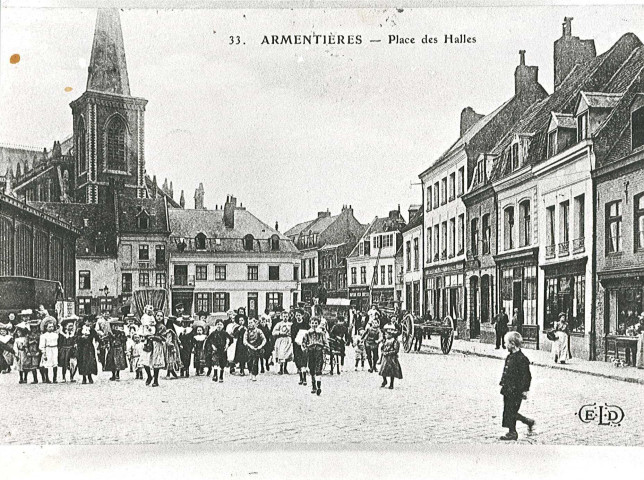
x=468, y=118
x=229, y=211
x=182, y=200
x=171, y=190
x=526, y=78
x=324, y=214
x=277, y=227
x=570, y=51
x=199, y=196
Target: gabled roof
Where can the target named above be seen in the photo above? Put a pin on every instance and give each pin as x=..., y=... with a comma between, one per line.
x=562, y=120
x=600, y=99
x=605, y=73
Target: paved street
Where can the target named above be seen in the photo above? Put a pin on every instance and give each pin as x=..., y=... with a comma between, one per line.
x=442, y=399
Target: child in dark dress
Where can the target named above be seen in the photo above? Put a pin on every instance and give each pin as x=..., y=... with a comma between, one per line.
x=86, y=353
x=67, y=348
x=116, y=342
x=185, y=346
x=315, y=343
x=264, y=360
x=198, y=343
x=390, y=367
x=217, y=347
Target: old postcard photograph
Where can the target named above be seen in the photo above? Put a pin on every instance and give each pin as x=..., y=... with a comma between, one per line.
x=281, y=228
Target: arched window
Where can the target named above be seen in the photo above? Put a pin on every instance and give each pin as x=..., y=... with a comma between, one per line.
x=82, y=147
x=525, y=230
x=116, y=136
x=275, y=242
x=508, y=228
x=248, y=242
x=200, y=241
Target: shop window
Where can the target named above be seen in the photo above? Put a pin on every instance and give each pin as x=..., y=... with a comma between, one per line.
x=486, y=233
x=220, y=301
x=126, y=283
x=84, y=306
x=624, y=305
x=508, y=230
x=202, y=302
x=637, y=126
x=639, y=221
x=525, y=230
x=614, y=227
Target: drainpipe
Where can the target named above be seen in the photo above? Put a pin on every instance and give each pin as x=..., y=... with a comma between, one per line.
x=593, y=257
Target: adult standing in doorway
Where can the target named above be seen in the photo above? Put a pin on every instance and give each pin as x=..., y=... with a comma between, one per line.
x=501, y=328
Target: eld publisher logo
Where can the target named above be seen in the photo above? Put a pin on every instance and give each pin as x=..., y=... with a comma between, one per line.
x=605, y=415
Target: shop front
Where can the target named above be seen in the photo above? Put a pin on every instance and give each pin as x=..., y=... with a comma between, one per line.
x=383, y=296
x=480, y=283
x=624, y=302
x=517, y=287
x=445, y=292
x=359, y=297
x=565, y=292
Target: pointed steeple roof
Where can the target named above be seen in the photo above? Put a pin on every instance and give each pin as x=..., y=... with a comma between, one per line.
x=107, y=70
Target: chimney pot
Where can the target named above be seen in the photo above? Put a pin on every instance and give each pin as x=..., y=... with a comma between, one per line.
x=521, y=57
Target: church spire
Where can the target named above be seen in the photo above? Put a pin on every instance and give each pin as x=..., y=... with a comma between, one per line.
x=107, y=70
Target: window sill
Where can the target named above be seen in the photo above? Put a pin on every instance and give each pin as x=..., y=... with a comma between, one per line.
x=615, y=254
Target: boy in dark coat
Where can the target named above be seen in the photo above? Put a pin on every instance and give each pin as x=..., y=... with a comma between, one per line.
x=515, y=384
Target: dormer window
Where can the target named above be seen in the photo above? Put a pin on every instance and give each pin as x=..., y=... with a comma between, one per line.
x=582, y=126
x=552, y=143
x=515, y=156
x=637, y=127
x=143, y=222
x=275, y=243
x=200, y=241
x=248, y=242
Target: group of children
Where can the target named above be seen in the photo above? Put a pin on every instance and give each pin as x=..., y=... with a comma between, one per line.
x=156, y=342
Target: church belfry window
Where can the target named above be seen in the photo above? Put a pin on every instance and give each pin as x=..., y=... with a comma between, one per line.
x=116, y=136
x=82, y=147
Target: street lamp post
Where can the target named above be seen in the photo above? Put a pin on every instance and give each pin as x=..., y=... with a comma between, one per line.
x=105, y=291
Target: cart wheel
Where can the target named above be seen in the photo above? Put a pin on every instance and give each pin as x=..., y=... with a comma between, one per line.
x=408, y=332
x=447, y=338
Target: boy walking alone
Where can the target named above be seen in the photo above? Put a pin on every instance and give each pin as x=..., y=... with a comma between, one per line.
x=515, y=383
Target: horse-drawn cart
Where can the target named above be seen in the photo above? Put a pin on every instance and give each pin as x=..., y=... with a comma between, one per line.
x=413, y=326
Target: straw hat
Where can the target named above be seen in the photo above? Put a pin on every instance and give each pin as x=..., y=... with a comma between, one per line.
x=46, y=321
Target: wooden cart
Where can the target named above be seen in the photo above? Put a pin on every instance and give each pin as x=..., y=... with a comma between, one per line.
x=411, y=325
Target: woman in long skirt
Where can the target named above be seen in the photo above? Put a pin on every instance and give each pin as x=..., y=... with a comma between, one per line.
x=265, y=327
x=241, y=350
x=283, y=342
x=560, y=352
x=86, y=353
x=390, y=367
x=173, y=355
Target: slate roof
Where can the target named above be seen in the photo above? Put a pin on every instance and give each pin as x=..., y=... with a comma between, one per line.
x=188, y=223
x=297, y=229
x=610, y=72
x=378, y=225
x=314, y=226
x=415, y=220
x=130, y=208
x=101, y=220
x=565, y=120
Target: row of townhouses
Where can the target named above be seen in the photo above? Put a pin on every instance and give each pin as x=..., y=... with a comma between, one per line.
x=538, y=207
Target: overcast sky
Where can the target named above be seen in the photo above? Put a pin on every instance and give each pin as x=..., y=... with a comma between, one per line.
x=290, y=130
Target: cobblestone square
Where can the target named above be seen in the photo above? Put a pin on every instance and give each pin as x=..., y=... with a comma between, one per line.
x=442, y=399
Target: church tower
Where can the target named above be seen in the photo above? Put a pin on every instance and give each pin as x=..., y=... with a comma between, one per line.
x=108, y=121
